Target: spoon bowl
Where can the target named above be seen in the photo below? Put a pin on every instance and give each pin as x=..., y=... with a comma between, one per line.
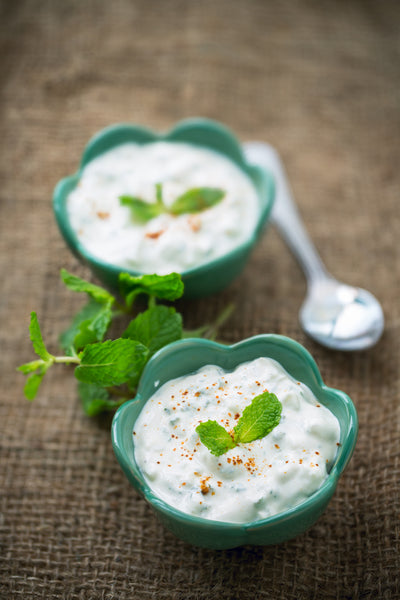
x=334, y=314
x=340, y=316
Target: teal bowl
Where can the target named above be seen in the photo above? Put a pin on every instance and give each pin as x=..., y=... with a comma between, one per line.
x=186, y=356
x=199, y=281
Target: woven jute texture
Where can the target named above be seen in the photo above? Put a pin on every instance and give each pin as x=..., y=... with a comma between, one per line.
x=320, y=81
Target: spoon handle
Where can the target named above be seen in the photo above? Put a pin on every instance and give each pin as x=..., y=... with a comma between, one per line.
x=285, y=214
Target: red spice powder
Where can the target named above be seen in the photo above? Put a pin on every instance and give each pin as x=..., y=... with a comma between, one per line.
x=204, y=488
x=194, y=223
x=154, y=235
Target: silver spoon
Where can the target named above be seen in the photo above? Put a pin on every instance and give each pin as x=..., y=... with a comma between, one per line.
x=336, y=315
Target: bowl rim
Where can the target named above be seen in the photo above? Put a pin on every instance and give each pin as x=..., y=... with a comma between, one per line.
x=324, y=491
x=176, y=133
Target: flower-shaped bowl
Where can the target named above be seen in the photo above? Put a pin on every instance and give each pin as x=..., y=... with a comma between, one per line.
x=199, y=281
x=185, y=357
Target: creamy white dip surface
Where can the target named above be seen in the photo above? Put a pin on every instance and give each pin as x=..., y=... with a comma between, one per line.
x=249, y=482
x=165, y=243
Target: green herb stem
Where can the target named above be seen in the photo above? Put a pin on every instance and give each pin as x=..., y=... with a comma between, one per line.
x=67, y=360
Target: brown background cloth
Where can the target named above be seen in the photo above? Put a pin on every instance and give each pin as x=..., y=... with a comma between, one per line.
x=320, y=81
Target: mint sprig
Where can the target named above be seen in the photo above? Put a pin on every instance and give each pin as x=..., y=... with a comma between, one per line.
x=37, y=369
x=109, y=370
x=194, y=200
x=257, y=421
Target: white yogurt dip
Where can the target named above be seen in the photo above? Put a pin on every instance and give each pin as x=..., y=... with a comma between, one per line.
x=251, y=481
x=165, y=243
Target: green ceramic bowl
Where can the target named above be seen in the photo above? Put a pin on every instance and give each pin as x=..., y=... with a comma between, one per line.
x=186, y=356
x=199, y=281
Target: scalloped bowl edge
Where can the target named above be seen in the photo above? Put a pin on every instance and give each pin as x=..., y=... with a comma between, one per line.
x=173, y=361
x=199, y=281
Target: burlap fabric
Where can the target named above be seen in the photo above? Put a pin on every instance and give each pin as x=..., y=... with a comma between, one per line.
x=320, y=81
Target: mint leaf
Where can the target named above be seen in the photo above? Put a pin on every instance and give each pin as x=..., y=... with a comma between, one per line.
x=76, y=284
x=93, y=329
x=46, y=360
x=156, y=327
x=96, y=399
x=88, y=326
x=196, y=200
x=165, y=287
x=141, y=210
x=91, y=322
x=33, y=382
x=29, y=367
x=215, y=437
x=36, y=338
x=112, y=362
x=258, y=419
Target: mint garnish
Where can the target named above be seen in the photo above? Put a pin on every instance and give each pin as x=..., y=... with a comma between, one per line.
x=257, y=421
x=194, y=200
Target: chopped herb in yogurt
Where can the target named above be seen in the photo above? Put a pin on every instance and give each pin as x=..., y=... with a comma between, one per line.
x=229, y=449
